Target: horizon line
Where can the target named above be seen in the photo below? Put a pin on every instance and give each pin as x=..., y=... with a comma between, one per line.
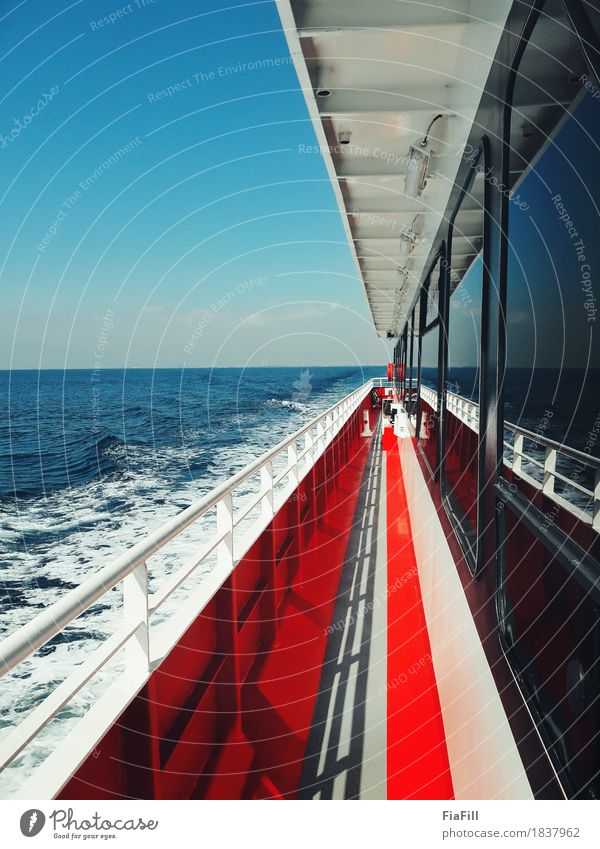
x=208, y=368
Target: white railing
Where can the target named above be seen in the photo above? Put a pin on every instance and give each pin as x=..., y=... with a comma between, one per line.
x=279, y=471
x=525, y=456
x=464, y=409
x=384, y=383
x=523, y=461
x=430, y=396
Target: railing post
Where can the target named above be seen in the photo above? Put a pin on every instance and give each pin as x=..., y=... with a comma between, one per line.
x=293, y=512
x=135, y=606
x=266, y=488
x=517, y=453
x=320, y=437
x=308, y=445
x=549, y=469
x=322, y=474
x=140, y=772
x=309, y=485
x=314, y=506
x=347, y=431
x=227, y=614
x=328, y=460
x=293, y=463
x=335, y=434
x=596, y=507
x=269, y=605
x=225, y=528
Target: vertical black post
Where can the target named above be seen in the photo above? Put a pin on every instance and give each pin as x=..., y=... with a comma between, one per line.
x=496, y=147
x=410, y=361
x=404, y=358
x=443, y=297
x=422, y=322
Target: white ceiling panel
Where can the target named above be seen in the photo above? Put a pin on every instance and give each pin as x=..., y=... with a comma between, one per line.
x=375, y=74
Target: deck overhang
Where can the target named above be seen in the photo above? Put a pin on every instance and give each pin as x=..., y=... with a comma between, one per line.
x=375, y=77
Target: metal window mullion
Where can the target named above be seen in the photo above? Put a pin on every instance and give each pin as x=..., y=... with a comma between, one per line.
x=443, y=299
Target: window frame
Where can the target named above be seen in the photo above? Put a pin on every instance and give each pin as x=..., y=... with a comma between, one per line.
x=557, y=543
x=425, y=328
x=409, y=368
x=469, y=538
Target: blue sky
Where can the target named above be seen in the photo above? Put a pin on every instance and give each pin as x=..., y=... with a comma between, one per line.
x=155, y=196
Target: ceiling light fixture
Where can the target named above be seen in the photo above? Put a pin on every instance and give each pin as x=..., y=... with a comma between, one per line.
x=417, y=164
x=398, y=312
x=407, y=243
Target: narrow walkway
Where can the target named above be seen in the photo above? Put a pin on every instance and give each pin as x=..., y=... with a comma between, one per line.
x=377, y=730
x=345, y=756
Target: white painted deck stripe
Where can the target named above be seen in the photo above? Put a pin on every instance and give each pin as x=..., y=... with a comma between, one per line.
x=484, y=759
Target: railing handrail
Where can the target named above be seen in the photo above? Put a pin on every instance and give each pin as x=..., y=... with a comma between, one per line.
x=394, y=381
x=467, y=411
x=546, y=442
x=573, y=453
x=51, y=621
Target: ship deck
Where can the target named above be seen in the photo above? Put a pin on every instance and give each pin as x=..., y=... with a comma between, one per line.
x=305, y=665
x=341, y=702
x=344, y=705
x=377, y=729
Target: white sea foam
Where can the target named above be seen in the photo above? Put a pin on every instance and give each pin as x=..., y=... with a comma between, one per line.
x=291, y=405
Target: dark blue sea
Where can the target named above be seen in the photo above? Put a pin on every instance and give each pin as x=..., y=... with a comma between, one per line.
x=89, y=461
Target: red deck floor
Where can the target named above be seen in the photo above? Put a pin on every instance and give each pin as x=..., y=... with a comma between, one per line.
x=417, y=758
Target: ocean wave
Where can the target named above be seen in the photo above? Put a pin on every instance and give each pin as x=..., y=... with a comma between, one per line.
x=286, y=403
x=61, y=464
